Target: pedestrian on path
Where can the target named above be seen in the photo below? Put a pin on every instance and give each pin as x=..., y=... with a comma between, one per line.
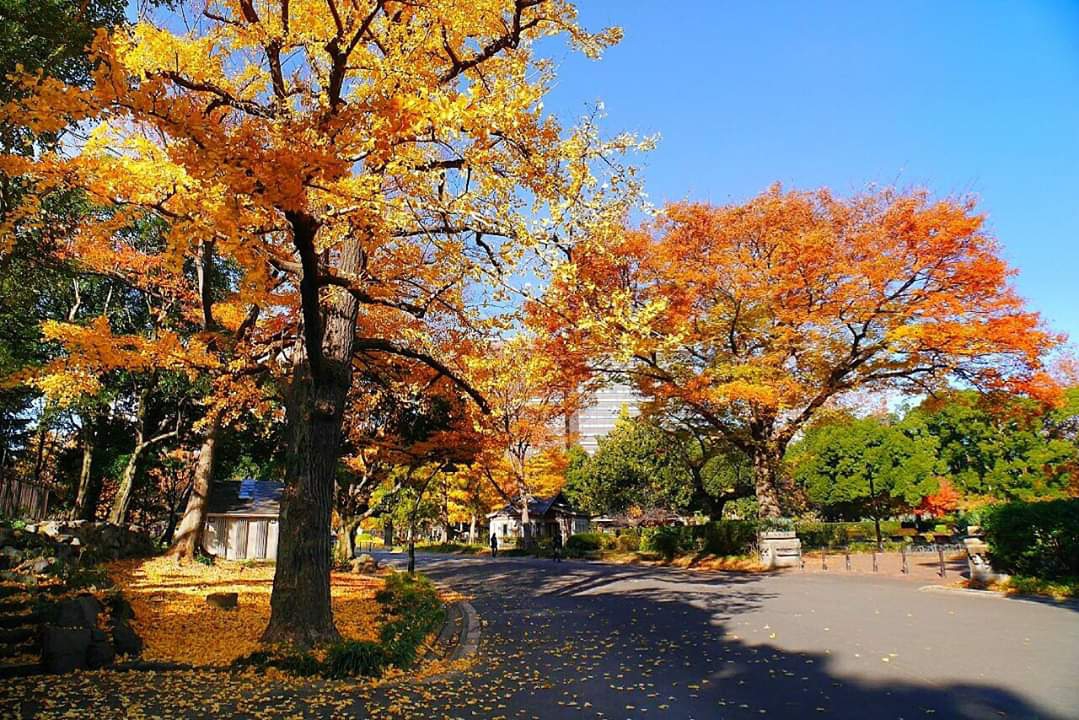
x=556, y=547
x=494, y=545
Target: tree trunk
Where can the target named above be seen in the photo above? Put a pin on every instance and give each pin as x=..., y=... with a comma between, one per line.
x=765, y=464
x=876, y=512
x=352, y=539
x=86, y=496
x=706, y=502
x=174, y=516
x=122, y=502
x=472, y=529
x=526, y=524
x=411, y=550
x=39, y=460
x=300, y=610
x=189, y=535
x=345, y=547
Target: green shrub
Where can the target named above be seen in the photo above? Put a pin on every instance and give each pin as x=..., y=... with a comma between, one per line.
x=302, y=664
x=628, y=541
x=1061, y=589
x=583, y=543
x=1039, y=539
x=816, y=535
x=727, y=537
x=355, y=657
x=413, y=603
x=665, y=541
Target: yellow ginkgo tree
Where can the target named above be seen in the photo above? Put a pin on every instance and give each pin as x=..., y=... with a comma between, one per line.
x=372, y=170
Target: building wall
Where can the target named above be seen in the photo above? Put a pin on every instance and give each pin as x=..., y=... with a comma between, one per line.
x=235, y=537
x=598, y=418
x=508, y=528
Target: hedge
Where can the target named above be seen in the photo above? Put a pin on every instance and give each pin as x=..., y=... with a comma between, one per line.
x=1039, y=539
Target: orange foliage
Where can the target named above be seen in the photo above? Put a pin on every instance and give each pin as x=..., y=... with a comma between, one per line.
x=749, y=318
x=943, y=501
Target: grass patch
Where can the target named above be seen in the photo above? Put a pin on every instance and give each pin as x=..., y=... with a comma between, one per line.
x=1063, y=589
x=453, y=547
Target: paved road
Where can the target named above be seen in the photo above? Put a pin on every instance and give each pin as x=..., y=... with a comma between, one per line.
x=584, y=640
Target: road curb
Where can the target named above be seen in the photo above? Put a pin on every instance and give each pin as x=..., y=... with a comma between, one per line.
x=468, y=644
x=999, y=595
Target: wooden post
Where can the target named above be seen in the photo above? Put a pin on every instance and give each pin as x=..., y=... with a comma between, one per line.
x=903, y=552
x=940, y=556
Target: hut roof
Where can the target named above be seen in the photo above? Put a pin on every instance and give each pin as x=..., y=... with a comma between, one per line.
x=539, y=507
x=245, y=497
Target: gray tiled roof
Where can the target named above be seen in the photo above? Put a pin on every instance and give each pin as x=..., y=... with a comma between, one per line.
x=245, y=497
x=538, y=507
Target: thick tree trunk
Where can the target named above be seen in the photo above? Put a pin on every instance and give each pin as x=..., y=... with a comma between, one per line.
x=345, y=547
x=765, y=476
x=85, y=496
x=188, y=538
x=300, y=610
x=472, y=529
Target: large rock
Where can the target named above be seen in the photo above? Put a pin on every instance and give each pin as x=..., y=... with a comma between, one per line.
x=364, y=564
x=124, y=639
x=78, y=612
x=100, y=652
x=225, y=601
x=64, y=649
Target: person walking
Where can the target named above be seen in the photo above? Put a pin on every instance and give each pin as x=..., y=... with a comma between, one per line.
x=556, y=547
x=494, y=545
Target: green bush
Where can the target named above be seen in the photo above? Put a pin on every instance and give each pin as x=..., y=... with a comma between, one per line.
x=355, y=657
x=628, y=541
x=727, y=537
x=816, y=535
x=583, y=543
x=413, y=603
x=294, y=663
x=1039, y=539
x=665, y=541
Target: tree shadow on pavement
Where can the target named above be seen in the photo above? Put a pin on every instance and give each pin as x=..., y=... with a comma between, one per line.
x=581, y=642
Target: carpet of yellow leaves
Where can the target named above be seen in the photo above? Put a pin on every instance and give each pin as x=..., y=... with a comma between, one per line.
x=178, y=625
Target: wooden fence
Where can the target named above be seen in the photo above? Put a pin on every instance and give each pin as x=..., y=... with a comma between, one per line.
x=23, y=499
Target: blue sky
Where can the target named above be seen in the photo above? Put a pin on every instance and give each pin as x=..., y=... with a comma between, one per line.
x=958, y=97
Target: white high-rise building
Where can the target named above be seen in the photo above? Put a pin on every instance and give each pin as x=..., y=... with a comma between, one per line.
x=598, y=417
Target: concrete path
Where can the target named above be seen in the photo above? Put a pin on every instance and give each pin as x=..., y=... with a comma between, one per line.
x=588, y=640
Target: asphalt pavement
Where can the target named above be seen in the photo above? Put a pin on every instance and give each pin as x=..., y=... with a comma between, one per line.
x=589, y=640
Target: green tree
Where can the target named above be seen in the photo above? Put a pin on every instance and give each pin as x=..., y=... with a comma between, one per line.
x=1007, y=448
x=858, y=467
x=641, y=464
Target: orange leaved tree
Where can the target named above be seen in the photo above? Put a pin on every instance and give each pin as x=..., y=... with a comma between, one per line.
x=744, y=320
x=366, y=169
